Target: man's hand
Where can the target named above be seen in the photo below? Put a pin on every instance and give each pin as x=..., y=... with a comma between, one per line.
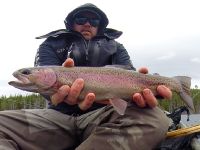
x=146, y=98
x=70, y=95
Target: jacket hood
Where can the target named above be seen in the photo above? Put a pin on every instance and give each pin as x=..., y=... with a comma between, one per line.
x=87, y=7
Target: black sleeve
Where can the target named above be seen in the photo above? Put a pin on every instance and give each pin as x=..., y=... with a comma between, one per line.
x=122, y=57
x=46, y=55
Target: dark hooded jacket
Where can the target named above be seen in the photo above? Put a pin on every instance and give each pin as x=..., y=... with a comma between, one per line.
x=100, y=51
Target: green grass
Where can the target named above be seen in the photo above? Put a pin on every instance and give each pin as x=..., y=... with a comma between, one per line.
x=176, y=101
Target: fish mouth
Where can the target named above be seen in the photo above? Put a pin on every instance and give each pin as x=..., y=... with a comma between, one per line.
x=21, y=81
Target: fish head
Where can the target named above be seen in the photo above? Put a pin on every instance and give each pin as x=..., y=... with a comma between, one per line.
x=35, y=79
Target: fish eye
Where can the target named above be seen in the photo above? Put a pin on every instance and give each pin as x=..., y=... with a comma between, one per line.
x=26, y=72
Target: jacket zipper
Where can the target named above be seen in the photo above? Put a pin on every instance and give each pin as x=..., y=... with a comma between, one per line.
x=87, y=45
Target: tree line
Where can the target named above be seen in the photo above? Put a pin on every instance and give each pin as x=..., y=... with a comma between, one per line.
x=35, y=101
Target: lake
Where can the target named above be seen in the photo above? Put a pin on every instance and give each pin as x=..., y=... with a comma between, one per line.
x=194, y=119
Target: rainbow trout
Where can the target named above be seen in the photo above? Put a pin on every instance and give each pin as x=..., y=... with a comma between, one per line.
x=116, y=84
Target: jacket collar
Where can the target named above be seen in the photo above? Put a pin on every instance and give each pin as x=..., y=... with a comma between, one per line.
x=108, y=33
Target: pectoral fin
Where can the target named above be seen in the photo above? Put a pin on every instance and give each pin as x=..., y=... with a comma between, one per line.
x=119, y=105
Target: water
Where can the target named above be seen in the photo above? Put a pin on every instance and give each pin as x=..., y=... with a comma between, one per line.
x=194, y=119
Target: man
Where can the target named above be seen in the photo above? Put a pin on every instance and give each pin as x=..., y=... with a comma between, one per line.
x=86, y=125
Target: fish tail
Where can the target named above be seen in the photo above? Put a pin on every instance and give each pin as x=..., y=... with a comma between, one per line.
x=185, y=93
x=185, y=83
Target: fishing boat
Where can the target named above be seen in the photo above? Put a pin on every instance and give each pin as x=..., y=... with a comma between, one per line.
x=190, y=133
x=183, y=134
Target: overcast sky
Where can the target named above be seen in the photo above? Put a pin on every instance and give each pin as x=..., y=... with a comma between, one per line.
x=163, y=35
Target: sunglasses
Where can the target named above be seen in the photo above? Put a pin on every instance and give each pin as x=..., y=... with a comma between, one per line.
x=83, y=20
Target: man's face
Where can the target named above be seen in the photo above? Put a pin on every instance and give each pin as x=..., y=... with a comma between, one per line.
x=87, y=24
